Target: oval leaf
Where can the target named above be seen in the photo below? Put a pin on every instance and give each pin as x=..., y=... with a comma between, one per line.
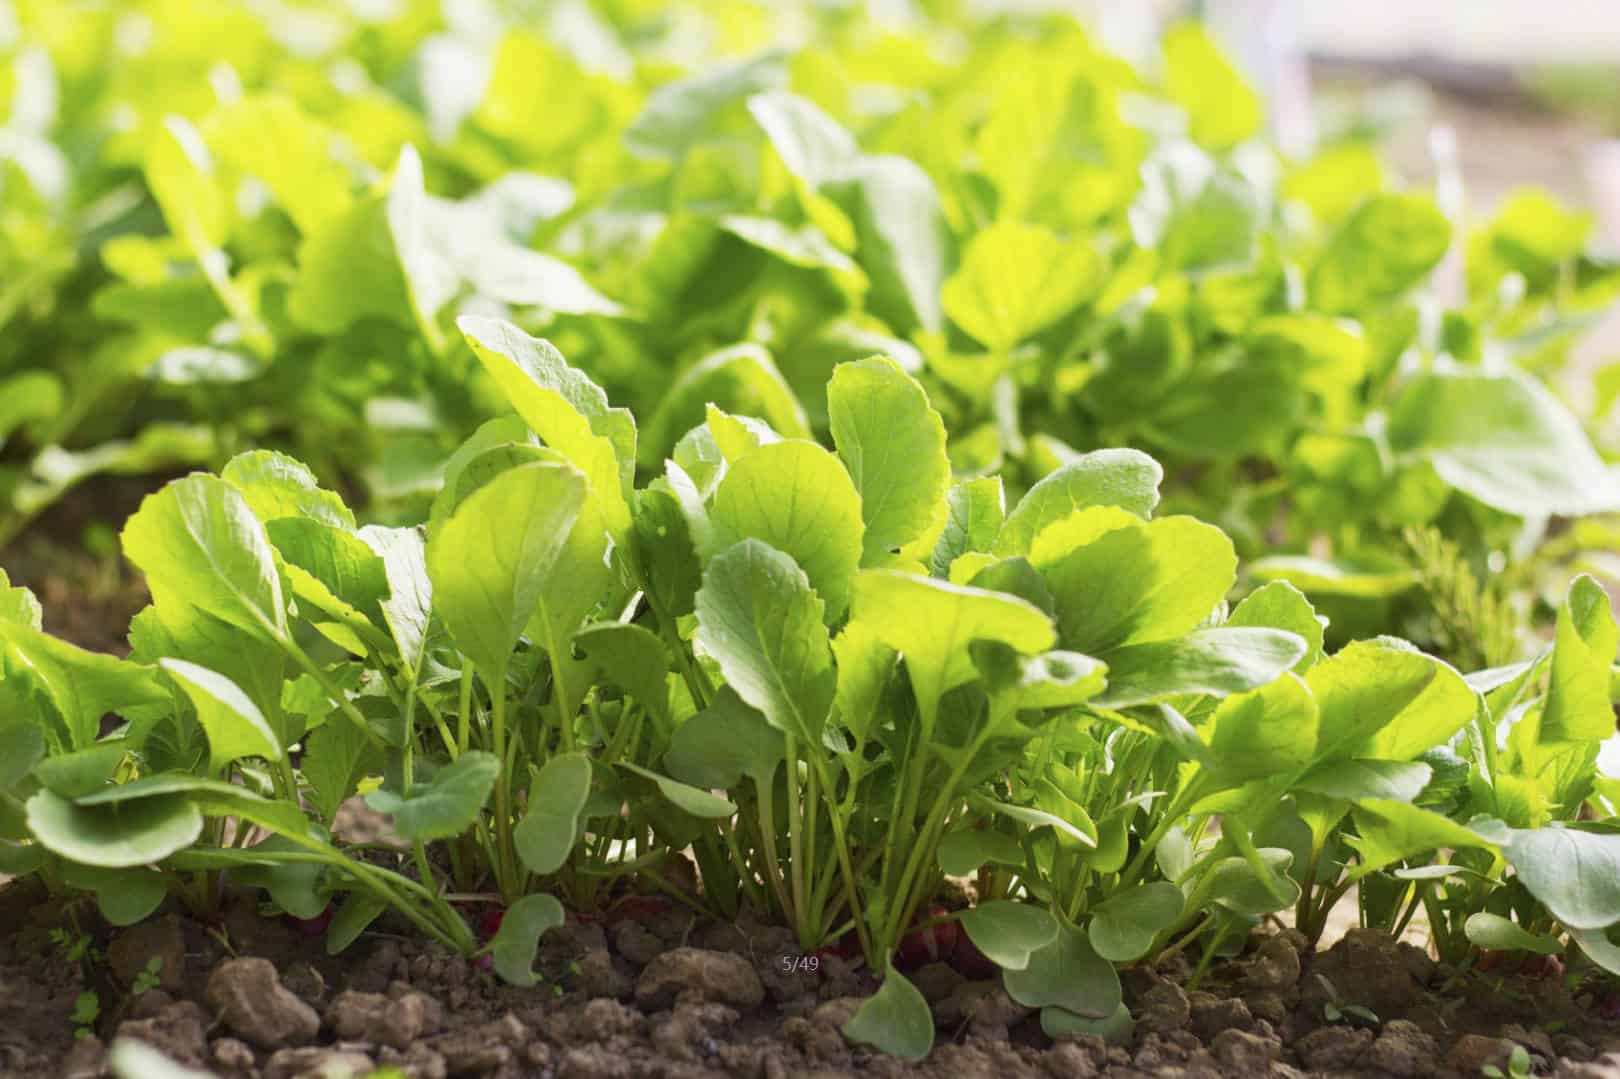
x=546, y=835
x=895, y=1019
x=1007, y=932
x=117, y=836
x=518, y=938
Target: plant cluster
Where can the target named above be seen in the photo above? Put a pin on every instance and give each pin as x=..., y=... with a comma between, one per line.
x=814, y=681
x=869, y=581
x=256, y=229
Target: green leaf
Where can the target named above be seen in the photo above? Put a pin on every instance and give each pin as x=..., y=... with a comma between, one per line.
x=408, y=608
x=1069, y=974
x=931, y=623
x=1127, y=479
x=1123, y=927
x=734, y=436
x=1119, y=580
x=234, y=725
x=680, y=115
x=566, y=409
x=518, y=938
x=1338, y=578
x=1075, y=830
x=81, y=772
x=350, y=270
x=22, y=745
x=276, y=486
x=1056, y=680
x=377, y=259
x=1354, y=780
x=488, y=580
x=1217, y=661
x=351, y=919
x=1598, y=948
x=19, y=605
x=796, y=497
x=446, y=806
x=124, y=896
x=180, y=175
x=902, y=239
x=1008, y=933
x=1575, y=874
x=631, y=657
x=574, y=586
x=332, y=570
x=865, y=667
x=337, y=756
x=895, y=1019
x=1381, y=250
x=760, y=620
x=28, y=397
x=117, y=836
x=299, y=888
x=84, y=686
x=270, y=138
x=474, y=242
x=661, y=547
x=742, y=380
x=1195, y=215
x=893, y=443
x=1578, y=706
x=199, y=540
x=430, y=280
x=1388, y=832
x=1264, y=732
x=1117, y=1029
x=1505, y=440
x=723, y=743
x=1492, y=931
x=1384, y=699
x=963, y=851
x=975, y=511
x=1016, y=279
x=553, y=823
x=218, y=799
x=1235, y=884
x=689, y=799
x=1279, y=605
x=810, y=143
x=1222, y=109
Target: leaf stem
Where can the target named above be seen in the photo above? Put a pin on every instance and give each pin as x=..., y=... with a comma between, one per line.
x=341, y=699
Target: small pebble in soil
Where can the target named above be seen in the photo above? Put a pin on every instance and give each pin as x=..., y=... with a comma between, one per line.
x=1333, y=1048
x=1402, y=1048
x=697, y=975
x=249, y=998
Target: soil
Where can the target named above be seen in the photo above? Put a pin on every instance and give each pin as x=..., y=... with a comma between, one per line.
x=658, y=992
x=70, y=557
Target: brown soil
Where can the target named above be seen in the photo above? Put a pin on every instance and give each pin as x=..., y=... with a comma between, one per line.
x=69, y=556
x=662, y=994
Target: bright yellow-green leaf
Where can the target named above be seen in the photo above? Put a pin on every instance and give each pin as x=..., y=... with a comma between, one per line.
x=1221, y=106
x=893, y=443
x=566, y=409
x=491, y=561
x=931, y=623
x=1015, y=280
x=796, y=497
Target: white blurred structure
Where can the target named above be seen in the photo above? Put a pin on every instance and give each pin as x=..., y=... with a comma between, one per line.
x=1514, y=32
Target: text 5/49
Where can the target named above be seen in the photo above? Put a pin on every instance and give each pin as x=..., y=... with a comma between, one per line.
x=800, y=964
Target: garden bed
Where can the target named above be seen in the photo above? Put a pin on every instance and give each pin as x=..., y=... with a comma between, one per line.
x=1022, y=584
x=660, y=992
